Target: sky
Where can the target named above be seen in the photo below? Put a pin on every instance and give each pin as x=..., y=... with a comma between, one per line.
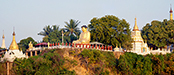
x=29, y=17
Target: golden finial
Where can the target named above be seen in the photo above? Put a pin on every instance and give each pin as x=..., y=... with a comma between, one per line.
x=3, y=35
x=171, y=9
x=135, y=27
x=171, y=15
x=14, y=45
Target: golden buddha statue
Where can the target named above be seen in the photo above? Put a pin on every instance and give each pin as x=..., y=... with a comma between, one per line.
x=30, y=45
x=84, y=36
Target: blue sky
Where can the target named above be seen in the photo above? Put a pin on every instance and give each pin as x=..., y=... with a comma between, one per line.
x=29, y=17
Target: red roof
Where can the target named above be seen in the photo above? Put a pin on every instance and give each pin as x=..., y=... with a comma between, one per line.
x=42, y=44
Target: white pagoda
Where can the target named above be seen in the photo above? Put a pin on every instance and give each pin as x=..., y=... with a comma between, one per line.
x=138, y=44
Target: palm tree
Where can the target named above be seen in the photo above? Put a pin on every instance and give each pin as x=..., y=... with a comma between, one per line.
x=47, y=29
x=71, y=28
x=55, y=28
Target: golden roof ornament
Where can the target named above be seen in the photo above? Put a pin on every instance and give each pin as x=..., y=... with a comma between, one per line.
x=13, y=45
x=135, y=27
x=3, y=35
x=171, y=15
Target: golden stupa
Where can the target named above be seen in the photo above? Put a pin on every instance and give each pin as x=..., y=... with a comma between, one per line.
x=14, y=45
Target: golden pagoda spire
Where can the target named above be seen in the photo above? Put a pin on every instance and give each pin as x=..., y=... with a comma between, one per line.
x=14, y=45
x=171, y=15
x=135, y=27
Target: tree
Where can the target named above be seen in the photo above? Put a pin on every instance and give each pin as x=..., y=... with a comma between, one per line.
x=23, y=44
x=71, y=28
x=110, y=30
x=54, y=35
x=47, y=30
x=169, y=27
x=50, y=63
x=51, y=34
x=158, y=34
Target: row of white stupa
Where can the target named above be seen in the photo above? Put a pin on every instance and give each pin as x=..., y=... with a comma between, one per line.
x=13, y=51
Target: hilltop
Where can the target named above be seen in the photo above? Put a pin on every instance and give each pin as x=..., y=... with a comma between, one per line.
x=75, y=61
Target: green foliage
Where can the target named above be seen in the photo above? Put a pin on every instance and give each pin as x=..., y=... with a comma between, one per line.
x=131, y=63
x=101, y=63
x=49, y=63
x=110, y=60
x=71, y=28
x=23, y=44
x=3, y=70
x=53, y=34
x=111, y=30
x=159, y=34
x=93, y=55
x=46, y=31
x=101, y=60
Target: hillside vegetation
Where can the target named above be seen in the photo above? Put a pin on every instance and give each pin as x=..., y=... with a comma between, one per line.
x=92, y=62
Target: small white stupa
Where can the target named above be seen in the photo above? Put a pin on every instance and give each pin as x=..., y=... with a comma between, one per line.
x=13, y=52
x=3, y=41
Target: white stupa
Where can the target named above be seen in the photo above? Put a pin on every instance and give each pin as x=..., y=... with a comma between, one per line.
x=13, y=52
x=138, y=44
x=3, y=42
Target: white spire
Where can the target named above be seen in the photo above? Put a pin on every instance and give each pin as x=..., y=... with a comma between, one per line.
x=3, y=41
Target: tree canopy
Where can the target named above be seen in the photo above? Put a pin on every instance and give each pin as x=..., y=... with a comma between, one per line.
x=71, y=28
x=159, y=34
x=46, y=31
x=54, y=35
x=111, y=30
x=23, y=44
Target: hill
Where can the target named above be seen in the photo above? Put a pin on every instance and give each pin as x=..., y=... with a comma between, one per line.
x=92, y=62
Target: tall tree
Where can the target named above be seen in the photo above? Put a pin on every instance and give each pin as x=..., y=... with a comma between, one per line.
x=71, y=28
x=111, y=30
x=54, y=35
x=46, y=30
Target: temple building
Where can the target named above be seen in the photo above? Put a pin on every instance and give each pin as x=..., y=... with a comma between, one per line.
x=3, y=42
x=138, y=44
x=171, y=15
x=13, y=52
